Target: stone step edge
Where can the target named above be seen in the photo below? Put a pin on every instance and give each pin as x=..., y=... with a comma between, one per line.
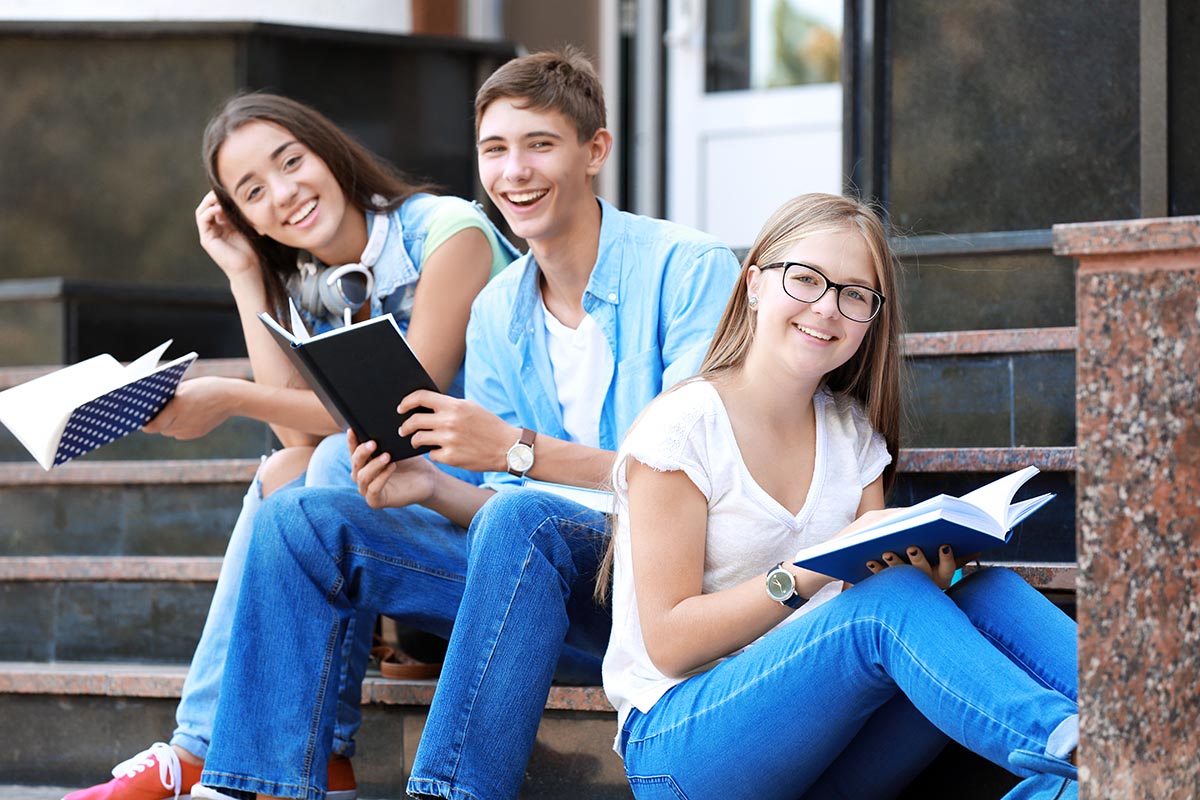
x=988, y=342
x=1047, y=576
x=939, y=343
x=241, y=470
x=121, y=679
x=219, y=367
x=44, y=569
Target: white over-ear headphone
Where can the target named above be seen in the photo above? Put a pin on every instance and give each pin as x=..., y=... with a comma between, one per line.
x=338, y=291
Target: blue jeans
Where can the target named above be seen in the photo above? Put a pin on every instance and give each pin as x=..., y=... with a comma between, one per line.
x=824, y=707
x=527, y=607
x=321, y=564
x=329, y=466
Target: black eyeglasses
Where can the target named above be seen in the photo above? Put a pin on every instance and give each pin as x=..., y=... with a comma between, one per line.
x=808, y=285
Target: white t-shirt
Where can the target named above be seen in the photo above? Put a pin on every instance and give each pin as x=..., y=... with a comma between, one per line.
x=748, y=531
x=582, y=363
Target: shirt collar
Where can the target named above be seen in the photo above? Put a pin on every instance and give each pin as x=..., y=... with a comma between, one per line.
x=604, y=284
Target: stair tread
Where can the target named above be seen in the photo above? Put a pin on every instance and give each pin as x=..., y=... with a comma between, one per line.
x=110, y=568
x=1048, y=576
x=938, y=343
x=1041, y=574
x=1015, y=340
x=986, y=459
x=148, y=471
x=220, y=367
x=118, y=679
x=241, y=470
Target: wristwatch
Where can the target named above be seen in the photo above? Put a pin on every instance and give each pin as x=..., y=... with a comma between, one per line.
x=781, y=587
x=520, y=455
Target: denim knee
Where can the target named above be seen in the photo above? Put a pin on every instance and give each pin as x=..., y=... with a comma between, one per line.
x=512, y=519
x=901, y=578
x=993, y=578
x=512, y=523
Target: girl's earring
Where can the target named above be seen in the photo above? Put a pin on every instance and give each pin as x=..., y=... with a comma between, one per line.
x=753, y=302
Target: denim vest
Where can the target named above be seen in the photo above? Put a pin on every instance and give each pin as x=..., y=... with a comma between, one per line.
x=399, y=265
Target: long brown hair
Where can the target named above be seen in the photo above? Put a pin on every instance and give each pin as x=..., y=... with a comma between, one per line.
x=871, y=375
x=360, y=174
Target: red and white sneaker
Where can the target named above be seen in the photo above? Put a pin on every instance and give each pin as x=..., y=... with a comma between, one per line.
x=153, y=774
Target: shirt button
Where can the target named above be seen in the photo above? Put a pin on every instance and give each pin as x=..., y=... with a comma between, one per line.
x=612, y=297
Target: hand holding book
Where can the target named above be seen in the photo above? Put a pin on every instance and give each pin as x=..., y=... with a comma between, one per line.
x=980, y=520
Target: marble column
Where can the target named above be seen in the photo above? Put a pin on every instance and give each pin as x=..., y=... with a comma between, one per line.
x=1138, y=538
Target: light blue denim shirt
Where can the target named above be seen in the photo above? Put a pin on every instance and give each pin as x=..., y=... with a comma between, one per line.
x=657, y=292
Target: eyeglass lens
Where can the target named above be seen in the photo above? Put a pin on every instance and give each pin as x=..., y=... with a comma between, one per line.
x=808, y=286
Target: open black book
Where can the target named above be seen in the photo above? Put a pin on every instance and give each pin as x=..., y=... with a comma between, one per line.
x=361, y=373
x=979, y=520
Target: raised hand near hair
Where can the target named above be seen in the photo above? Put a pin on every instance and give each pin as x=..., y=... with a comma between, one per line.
x=224, y=244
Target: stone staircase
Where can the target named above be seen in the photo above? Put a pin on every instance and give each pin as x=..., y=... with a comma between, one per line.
x=107, y=566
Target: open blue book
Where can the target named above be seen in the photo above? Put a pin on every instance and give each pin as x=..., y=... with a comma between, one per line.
x=977, y=521
x=74, y=410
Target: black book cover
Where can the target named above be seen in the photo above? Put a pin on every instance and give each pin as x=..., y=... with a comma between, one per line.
x=361, y=373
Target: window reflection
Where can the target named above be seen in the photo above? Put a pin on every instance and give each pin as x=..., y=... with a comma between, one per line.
x=763, y=44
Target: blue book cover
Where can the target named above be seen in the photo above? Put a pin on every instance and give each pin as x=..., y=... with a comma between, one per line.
x=977, y=521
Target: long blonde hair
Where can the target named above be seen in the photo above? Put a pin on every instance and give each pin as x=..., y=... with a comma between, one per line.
x=872, y=375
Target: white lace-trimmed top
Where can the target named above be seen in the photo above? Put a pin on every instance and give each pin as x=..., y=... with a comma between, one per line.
x=748, y=531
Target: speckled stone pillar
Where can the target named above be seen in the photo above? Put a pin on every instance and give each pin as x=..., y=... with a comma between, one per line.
x=1138, y=460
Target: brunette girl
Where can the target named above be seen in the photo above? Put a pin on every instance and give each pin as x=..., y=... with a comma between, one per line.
x=300, y=211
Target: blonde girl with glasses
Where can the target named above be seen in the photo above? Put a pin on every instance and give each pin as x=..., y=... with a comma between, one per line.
x=736, y=673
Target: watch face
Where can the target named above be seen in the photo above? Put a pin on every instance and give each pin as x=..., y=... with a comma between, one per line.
x=520, y=457
x=779, y=585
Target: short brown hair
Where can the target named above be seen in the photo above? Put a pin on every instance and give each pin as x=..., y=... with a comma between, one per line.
x=562, y=81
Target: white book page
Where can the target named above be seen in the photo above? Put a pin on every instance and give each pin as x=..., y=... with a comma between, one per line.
x=37, y=411
x=299, y=330
x=594, y=499
x=994, y=498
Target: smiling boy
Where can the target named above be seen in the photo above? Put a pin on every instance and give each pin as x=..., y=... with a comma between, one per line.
x=564, y=350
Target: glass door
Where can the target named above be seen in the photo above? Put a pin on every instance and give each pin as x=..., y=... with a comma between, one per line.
x=754, y=109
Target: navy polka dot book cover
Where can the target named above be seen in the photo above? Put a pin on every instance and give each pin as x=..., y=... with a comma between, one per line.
x=74, y=410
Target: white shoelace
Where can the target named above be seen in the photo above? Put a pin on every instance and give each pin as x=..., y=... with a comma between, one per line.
x=169, y=768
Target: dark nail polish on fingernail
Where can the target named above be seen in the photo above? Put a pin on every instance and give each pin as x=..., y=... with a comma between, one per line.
x=946, y=550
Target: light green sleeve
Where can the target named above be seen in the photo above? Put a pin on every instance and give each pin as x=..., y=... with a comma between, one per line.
x=454, y=217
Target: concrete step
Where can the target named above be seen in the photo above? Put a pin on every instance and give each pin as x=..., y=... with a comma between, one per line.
x=103, y=508
x=104, y=609
x=188, y=507
x=996, y=388
x=236, y=438
x=108, y=712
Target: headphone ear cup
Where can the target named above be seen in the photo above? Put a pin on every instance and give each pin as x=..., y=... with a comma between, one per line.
x=305, y=286
x=330, y=298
